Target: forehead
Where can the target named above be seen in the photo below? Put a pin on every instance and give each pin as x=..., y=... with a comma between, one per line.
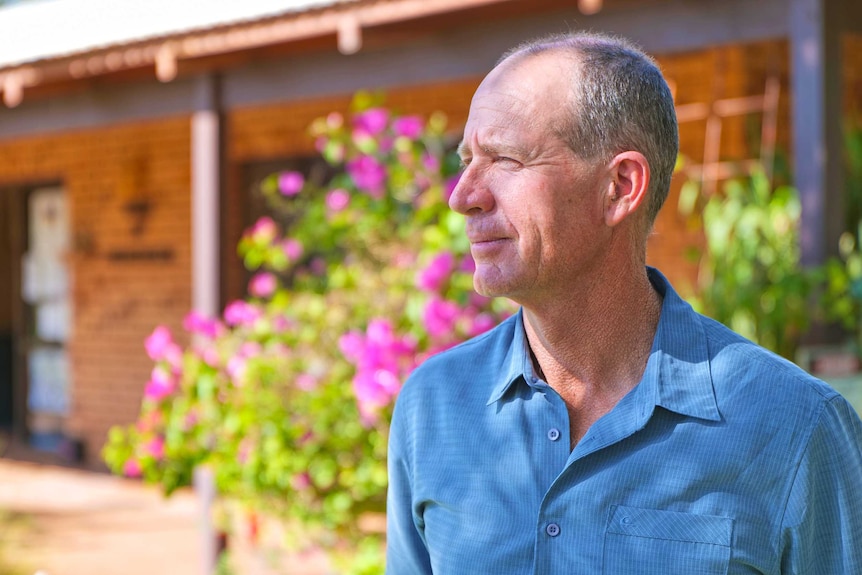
x=523, y=95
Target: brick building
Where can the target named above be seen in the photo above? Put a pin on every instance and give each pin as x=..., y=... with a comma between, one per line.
x=128, y=150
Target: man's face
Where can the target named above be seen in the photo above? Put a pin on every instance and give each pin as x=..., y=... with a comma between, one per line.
x=534, y=210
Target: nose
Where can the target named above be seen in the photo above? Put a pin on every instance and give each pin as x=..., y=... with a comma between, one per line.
x=471, y=195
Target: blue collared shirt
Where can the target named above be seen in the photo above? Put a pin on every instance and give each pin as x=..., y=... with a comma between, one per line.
x=724, y=459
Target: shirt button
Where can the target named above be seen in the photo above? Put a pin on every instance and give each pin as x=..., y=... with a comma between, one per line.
x=553, y=434
x=552, y=529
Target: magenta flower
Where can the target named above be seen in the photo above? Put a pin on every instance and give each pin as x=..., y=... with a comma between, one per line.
x=352, y=346
x=208, y=354
x=436, y=273
x=250, y=349
x=375, y=388
x=160, y=385
x=262, y=284
x=306, y=382
x=281, y=324
x=372, y=121
x=240, y=312
x=236, y=369
x=300, y=481
x=382, y=361
x=337, y=200
x=198, y=323
x=160, y=346
x=292, y=249
x=155, y=448
x=408, y=126
x=290, y=183
x=132, y=468
x=264, y=230
x=430, y=162
x=440, y=317
x=368, y=174
x=334, y=120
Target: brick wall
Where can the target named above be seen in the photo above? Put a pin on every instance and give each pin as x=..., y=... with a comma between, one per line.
x=129, y=271
x=705, y=76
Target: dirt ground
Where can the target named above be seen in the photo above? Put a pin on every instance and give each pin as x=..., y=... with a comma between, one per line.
x=60, y=521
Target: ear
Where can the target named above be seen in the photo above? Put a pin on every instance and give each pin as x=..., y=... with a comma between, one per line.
x=627, y=186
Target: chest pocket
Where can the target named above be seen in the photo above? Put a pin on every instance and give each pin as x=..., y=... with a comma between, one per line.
x=648, y=541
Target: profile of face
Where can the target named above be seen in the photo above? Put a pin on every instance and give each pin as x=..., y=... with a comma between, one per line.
x=535, y=211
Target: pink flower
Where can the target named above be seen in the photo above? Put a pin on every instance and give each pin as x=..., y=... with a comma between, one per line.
x=440, y=317
x=372, y=121
x=281, y=324
x=262, y=284
x=198, y=323
x=306, y=382
x=160, y=386
x=337, y=200
x=240, y=312
x=300, y=481
x=236, y=369
x=382, y=361
x=372, y=388
x=334, y=120
x=430, y=162
x=250, y=349
x=290, y=183
x=436, y=273
x=352, y=345
x=292, y=249
x=368, y=174
x=156, y=448
x=264, y=230
x=244, y=451
x=160, y=345
x=132, y=468
x=408, y=126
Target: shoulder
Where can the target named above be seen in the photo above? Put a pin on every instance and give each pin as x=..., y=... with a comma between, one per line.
x=773, y=394
x=478, y=358
x=458, y=378
x=735, y=360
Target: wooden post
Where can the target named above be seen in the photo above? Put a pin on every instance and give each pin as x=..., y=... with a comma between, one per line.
x=815, y=42
x=206, y=192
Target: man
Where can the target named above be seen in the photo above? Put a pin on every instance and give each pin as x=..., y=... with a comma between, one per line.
x=605, y=428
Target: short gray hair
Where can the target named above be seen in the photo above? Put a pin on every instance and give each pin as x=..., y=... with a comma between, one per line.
x=620, y=102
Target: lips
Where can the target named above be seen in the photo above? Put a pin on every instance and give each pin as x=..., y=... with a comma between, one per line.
x=479, y=234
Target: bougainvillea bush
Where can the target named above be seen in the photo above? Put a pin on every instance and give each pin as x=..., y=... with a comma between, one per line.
x=288, y=395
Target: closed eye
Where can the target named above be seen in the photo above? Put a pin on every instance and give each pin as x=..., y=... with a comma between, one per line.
x=507, y=161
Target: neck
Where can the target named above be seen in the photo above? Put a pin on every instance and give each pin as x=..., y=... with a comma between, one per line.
x=597, y=343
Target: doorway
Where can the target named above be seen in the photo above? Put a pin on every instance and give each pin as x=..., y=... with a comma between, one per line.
x=35, y=383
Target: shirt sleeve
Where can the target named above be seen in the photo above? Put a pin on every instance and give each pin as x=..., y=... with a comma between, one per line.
x=406, y=553
x=822, y=525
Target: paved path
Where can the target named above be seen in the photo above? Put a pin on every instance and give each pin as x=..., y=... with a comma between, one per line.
x=83, y=523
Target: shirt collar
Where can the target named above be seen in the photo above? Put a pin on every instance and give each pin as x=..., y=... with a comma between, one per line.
x=517, y=364
x=677, y=376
